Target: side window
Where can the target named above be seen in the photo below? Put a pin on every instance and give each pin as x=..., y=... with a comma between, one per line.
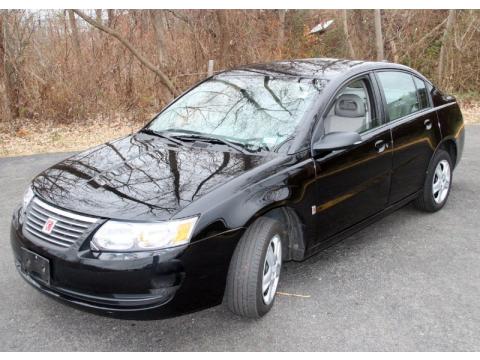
x=353, y=109
x=400, y=93
x=421, y=93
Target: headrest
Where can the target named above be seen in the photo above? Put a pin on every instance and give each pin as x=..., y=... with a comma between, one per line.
x=349, y=105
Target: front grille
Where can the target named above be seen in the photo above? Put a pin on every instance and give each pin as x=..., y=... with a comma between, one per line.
x=69, y=227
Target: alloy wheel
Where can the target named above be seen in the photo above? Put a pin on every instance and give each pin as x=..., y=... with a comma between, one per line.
x=271, y=269
x=441, y=181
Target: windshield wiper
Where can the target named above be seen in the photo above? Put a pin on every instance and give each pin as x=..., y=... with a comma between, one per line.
x=211, y=139
x=162, y=135
x=207, y=138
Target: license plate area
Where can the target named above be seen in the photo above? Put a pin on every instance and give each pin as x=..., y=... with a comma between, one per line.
x=36, y=266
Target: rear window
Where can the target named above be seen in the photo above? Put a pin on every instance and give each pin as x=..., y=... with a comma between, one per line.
x=421, y=93
x=400, y=93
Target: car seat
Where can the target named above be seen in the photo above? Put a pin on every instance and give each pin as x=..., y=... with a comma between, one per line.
x=348, y=115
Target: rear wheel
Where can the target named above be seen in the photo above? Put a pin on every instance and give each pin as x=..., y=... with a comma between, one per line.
x=255, y=268
x=437, y=183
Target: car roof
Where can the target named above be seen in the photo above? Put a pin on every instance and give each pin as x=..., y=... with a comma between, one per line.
x=319, y=68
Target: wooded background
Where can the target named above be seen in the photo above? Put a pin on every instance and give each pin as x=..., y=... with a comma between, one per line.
x=69, y=66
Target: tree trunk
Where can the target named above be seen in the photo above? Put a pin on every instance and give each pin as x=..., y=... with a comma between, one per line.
x=10, y=75
x=164, y=79
x=351, y=51
x=445, y=37
x=98, y=15
x=223, y=36
x=74, y=29
x=2, y=49
x=111, y=17
x=281, y=30
x=156, y=18
x=393, y=47
x=4, y=99
x=379, y=35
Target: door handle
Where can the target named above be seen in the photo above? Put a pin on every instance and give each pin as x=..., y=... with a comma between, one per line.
x=380, y=146
x=428, y=124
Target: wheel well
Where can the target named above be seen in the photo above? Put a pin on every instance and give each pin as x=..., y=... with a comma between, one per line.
x=450, y=147
x=295, y=246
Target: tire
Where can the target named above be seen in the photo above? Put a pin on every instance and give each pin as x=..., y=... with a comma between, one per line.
x=244, y=295
x=431, y=199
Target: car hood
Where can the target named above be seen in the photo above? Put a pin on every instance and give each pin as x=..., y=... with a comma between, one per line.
x=141, y=177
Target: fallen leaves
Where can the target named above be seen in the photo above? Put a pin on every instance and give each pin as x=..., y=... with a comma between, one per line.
x=27, y=137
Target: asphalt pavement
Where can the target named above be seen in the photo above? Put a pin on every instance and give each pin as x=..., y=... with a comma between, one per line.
x=410, y=282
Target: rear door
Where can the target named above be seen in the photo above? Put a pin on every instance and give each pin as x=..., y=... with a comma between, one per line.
x=414, y=127
x=353, y=184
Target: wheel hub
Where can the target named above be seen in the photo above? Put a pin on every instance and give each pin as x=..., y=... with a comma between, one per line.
x=441, y=181
x=271, y=269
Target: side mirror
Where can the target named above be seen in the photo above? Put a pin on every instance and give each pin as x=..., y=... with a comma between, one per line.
x=337, y=140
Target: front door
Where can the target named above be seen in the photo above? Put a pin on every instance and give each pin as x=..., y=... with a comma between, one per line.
x=353, y=184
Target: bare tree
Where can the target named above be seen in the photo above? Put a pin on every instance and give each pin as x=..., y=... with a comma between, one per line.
x=424, y=37
x=223, y=33
x=445, y=37
x=164, y=79
x=111, y=17
x=3, y=69
x=157, y=20
x=379, y=35
x=351, y=51
x=74, y=29
x=98, y=15
x=393, y=48
x=281, y=29
x=191, y=26
x=15, y=36
x=40, y=79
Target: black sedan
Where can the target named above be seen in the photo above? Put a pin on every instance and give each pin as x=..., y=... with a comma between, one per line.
x=250, y=168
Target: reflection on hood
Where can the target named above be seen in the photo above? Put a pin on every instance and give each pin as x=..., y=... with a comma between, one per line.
x=140, y=177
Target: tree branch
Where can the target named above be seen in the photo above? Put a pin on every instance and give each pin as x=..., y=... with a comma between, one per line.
x=164, y=79
x=425, y=37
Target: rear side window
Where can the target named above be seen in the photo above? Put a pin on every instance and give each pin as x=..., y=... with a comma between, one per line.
x=400, y=93
x=421, y=93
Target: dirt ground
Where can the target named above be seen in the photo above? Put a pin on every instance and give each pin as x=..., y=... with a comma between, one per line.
x=27, y=137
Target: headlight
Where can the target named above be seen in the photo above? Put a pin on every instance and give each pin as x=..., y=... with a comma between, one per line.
x=126, y=236
x=27, y=197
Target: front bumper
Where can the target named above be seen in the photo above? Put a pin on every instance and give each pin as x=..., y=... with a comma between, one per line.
x=153, y=285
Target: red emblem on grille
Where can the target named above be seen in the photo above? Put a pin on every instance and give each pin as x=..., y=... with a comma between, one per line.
x=49, y=225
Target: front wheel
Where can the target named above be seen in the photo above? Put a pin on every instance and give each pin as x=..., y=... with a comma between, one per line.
x=255, y=268
x=437, y=183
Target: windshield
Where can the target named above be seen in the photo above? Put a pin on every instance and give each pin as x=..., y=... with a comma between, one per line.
x=248, y=109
